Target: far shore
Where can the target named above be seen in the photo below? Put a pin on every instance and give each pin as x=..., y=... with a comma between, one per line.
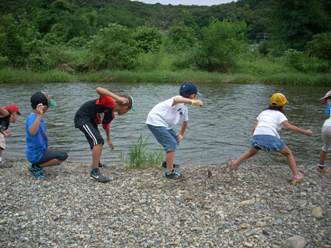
x=296, y=78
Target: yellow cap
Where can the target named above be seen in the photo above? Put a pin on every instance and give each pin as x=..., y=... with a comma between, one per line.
x=278, y=99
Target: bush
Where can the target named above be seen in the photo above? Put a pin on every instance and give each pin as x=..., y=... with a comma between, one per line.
x=147, y=39
x=301, y=62
x=320, y=46
x=221, y=43
x=113, y=48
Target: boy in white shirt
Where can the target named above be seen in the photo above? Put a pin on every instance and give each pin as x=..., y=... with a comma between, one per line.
x=266, y=137
x=165, y=116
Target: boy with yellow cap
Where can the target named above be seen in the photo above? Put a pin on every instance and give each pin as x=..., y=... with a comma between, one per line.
x=266, y=137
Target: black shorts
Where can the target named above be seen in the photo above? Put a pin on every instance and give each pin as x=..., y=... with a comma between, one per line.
x=92, y=134
x=52, y=154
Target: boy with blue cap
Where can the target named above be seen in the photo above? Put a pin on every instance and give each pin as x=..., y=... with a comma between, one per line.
x=165, y=116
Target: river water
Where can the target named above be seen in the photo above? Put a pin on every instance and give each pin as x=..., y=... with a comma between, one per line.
x=219, y=131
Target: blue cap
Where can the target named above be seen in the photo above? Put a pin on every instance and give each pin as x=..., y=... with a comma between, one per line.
x=187, y=89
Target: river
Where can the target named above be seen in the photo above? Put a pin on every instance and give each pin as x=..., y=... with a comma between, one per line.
x=217, y=132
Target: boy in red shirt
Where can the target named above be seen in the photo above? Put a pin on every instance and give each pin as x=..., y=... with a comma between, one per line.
x=100, y=111
x=8, y=114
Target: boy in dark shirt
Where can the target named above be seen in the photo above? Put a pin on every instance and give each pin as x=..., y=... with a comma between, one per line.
x=8, y=114
x=100, y=111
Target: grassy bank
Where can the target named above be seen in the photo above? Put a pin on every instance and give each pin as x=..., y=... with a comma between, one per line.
x=8, y=75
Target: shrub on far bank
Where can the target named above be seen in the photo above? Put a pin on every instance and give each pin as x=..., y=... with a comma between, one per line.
x=304, y=63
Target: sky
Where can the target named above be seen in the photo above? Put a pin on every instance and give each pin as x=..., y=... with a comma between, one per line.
x=188, y=2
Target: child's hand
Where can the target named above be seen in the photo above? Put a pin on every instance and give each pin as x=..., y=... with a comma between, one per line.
x=180, y=137
x=7, y=133
x=110, y=144
x=197, y=103
x=309, y=132
x=40, y=109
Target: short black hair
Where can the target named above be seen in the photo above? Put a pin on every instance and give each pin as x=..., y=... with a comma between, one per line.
x=278, y=108
x=37, y=98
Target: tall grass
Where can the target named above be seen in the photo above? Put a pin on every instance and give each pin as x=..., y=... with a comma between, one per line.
x=139, y=156
x=8, y=75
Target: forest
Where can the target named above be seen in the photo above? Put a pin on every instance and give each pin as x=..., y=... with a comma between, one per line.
x=260, y=39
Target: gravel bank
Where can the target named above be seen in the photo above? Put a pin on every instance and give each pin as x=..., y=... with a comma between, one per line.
x=210, y=207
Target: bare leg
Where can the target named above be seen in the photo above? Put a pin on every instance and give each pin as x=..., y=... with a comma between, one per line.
x=322, y=157
x=234, y=164
x=291, y=161
x=96, y=155
x=170, y=156
x=323, y=169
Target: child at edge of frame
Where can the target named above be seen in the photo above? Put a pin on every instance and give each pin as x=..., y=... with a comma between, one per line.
x=8, y=114
x=326, y=134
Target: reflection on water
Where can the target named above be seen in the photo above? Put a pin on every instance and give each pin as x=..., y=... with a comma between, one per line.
x=217, y=132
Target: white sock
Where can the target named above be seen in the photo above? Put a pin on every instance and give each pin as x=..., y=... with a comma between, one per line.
x=321, y=165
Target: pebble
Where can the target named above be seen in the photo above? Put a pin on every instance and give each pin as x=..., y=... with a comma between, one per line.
x=295, y=242
x=317, y=212
x=140, y=208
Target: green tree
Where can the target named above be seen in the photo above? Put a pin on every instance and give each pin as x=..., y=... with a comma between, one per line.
x=113, y=47
x=181, y=38
x=320, y=46
x=147, y=39
x=221, y=42
x=295, y=22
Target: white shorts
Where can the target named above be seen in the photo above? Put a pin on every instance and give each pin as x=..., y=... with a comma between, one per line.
x=326, y=137
x=2, y=142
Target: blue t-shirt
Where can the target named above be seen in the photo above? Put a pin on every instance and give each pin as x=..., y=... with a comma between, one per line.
x=36, y=145
x=327, y=110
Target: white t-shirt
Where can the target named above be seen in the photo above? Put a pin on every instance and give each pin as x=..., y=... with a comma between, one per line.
x=269, y=122
x=165, y=115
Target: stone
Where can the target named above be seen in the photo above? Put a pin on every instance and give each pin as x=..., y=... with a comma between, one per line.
x=295, y=242
x=317, y=212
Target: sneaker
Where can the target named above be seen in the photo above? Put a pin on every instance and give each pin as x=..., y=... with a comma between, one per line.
x=37, y=171
x=164, y=165
x=323, y=169
x=297, y=179
x=173, y=174
x=96, y=174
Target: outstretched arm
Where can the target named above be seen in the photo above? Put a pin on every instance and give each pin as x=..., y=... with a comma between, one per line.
x=180, y=99
x=3, y=112
x=104, y=92
x=296, y=129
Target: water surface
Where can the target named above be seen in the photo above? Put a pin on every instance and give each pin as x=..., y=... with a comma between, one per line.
x=217, y=132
